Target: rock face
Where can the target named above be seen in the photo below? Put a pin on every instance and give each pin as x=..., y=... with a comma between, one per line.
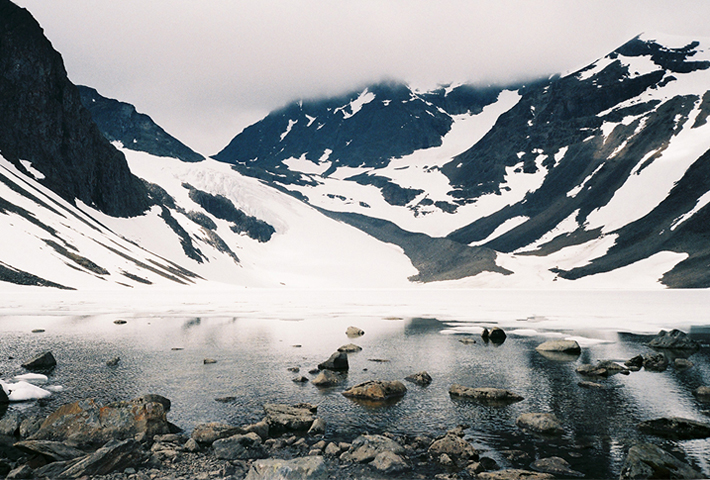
x=422, y=378
x=43, y=361
x=338, y=362
x=87, y=424
x=304, y=468
x=555, y=466
x=43, y=121
x=560, y=346
x=545, y=423
x=286, y=418
x=377, y=390
x=676, y=428
x=240, y=447
x=486, y=395
x=675, y=339
x=458, y=450
x=649, y=461
x=53, y=451
x=113, y=456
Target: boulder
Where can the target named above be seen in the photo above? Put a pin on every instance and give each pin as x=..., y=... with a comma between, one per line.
x=604, y=368
x=112, y=457
x=702, y=393
x=300, y=379
x=113, y=362
x=354, y=332
x=87, y=424
x=286, y=418
x=555, y=466
x=207, y=433
x=634, y=363
x=377, y=390
x=240, y=447
x=338, y=361
x=514, y=474
x=497, y=335
x=43, y=361
x=366, y=447
x=485, y=333
x=422, y=378
x=545, y=423
x=350, y=348
x=318, y=427
x=389, y=462
x=560, y=346
x=656, y=362
x=675, y=339
x=303, y=468
x=682, y=364
x=675, y=428
x=458, y=450
x=326, y=378
x=260, y=428
x=485, y=394
x=10, y=423
x=52, y=451
x=649, y=461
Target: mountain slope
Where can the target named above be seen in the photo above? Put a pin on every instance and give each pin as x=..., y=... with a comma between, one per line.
x=43, y=122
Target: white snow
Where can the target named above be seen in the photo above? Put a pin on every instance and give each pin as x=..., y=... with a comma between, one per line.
x=290, y=125
x=23, y=391
x=573, y=193
x=356, y=105
x=33, y=171
x=504, y=227
x=32, y=377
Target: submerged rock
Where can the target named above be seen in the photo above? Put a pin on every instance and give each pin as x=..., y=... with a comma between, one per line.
x=43, y=361
x=545, y=423
x=675, y=339
x=377, y=390
x=337, y=361
x=422, y=378
x=682, y=364
x=303, y=468
x=326, y=378
x=485, y=394
x=649, y=461
x=702, y=393
x=555, y=466
x=675, y=428
x=514, y=474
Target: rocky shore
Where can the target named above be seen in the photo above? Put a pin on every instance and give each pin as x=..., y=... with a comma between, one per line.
x=134, y=440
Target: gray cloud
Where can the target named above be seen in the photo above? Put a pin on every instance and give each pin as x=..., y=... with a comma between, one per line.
x=204, y=70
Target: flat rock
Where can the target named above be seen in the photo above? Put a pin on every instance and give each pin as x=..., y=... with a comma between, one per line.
x=354, y=332
x=326, y=378
x=302, y=468
x=240, y=447
x=350, y=348
x=377, y=390
x=649, y=461
x=604, y=368
x=43, y=361
x=207, y=433
x=675, y=339
x=366, y=447
x=591, y=385
x=422, y=378
x=514, y=474
x=676, y=428
x=286, y=418
x=560, y=346
x=53, y=451
x=458, y=450
x=467, y=340
x=389, y=462
x=114, y=456
x=337, y=361
x=555, y=466
x=545, y=423
x=485, y=394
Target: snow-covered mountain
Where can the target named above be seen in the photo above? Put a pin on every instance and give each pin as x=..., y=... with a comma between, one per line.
x=595, y=178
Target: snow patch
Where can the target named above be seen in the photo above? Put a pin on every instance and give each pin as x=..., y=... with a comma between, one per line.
x=32, y=170
x=504, y=227
x=290, y=125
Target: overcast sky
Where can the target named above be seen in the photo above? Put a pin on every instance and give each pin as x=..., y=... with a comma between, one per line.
x=205, y=69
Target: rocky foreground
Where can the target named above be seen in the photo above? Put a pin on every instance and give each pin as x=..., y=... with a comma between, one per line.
x=133, y=440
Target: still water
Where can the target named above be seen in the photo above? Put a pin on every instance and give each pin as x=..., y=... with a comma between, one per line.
x=163, y=351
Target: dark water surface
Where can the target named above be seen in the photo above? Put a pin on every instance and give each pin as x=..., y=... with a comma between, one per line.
x=253, y=356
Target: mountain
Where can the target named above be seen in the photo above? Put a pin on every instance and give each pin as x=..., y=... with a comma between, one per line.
x=120, y=122
x=43, y=124
x=568, y=177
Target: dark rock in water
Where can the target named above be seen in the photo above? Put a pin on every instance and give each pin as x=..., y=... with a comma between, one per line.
x=655, y=362
x=113, y=362
x=87, y=424
x=153, y=398
x=207, y=433
x=702, y=393
x=44, y=361
x=497, y=335
x=555, y=466
x=3, y=396
x=354, y=332
x=675, y=339
x=366, y=447
x=604, y=368
x=378, y=360
x=649, y=461
x=120, y=322
x=338, y=361
x=485, y=394
x=287, y=418
x=377, y=390
x=545, y=423
x=591, y=385
x=112, y=457
x=318, y=427
x=682, y=364
x=422, y=378
x=350, y=348
x=560, y=346
x=302, y=468
x=240, y=447
x=389, y=462
x=293, y=369
x=514, y=474
x=209, y=361
x=53, y=451
x=467, y=340
x=456, y=449
x=225, y=399
x=301, y=379
x=516, y=457
x=675, y=428
x=326, y=378
x=635, y=362
x=38, y=330
x=485, y=333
